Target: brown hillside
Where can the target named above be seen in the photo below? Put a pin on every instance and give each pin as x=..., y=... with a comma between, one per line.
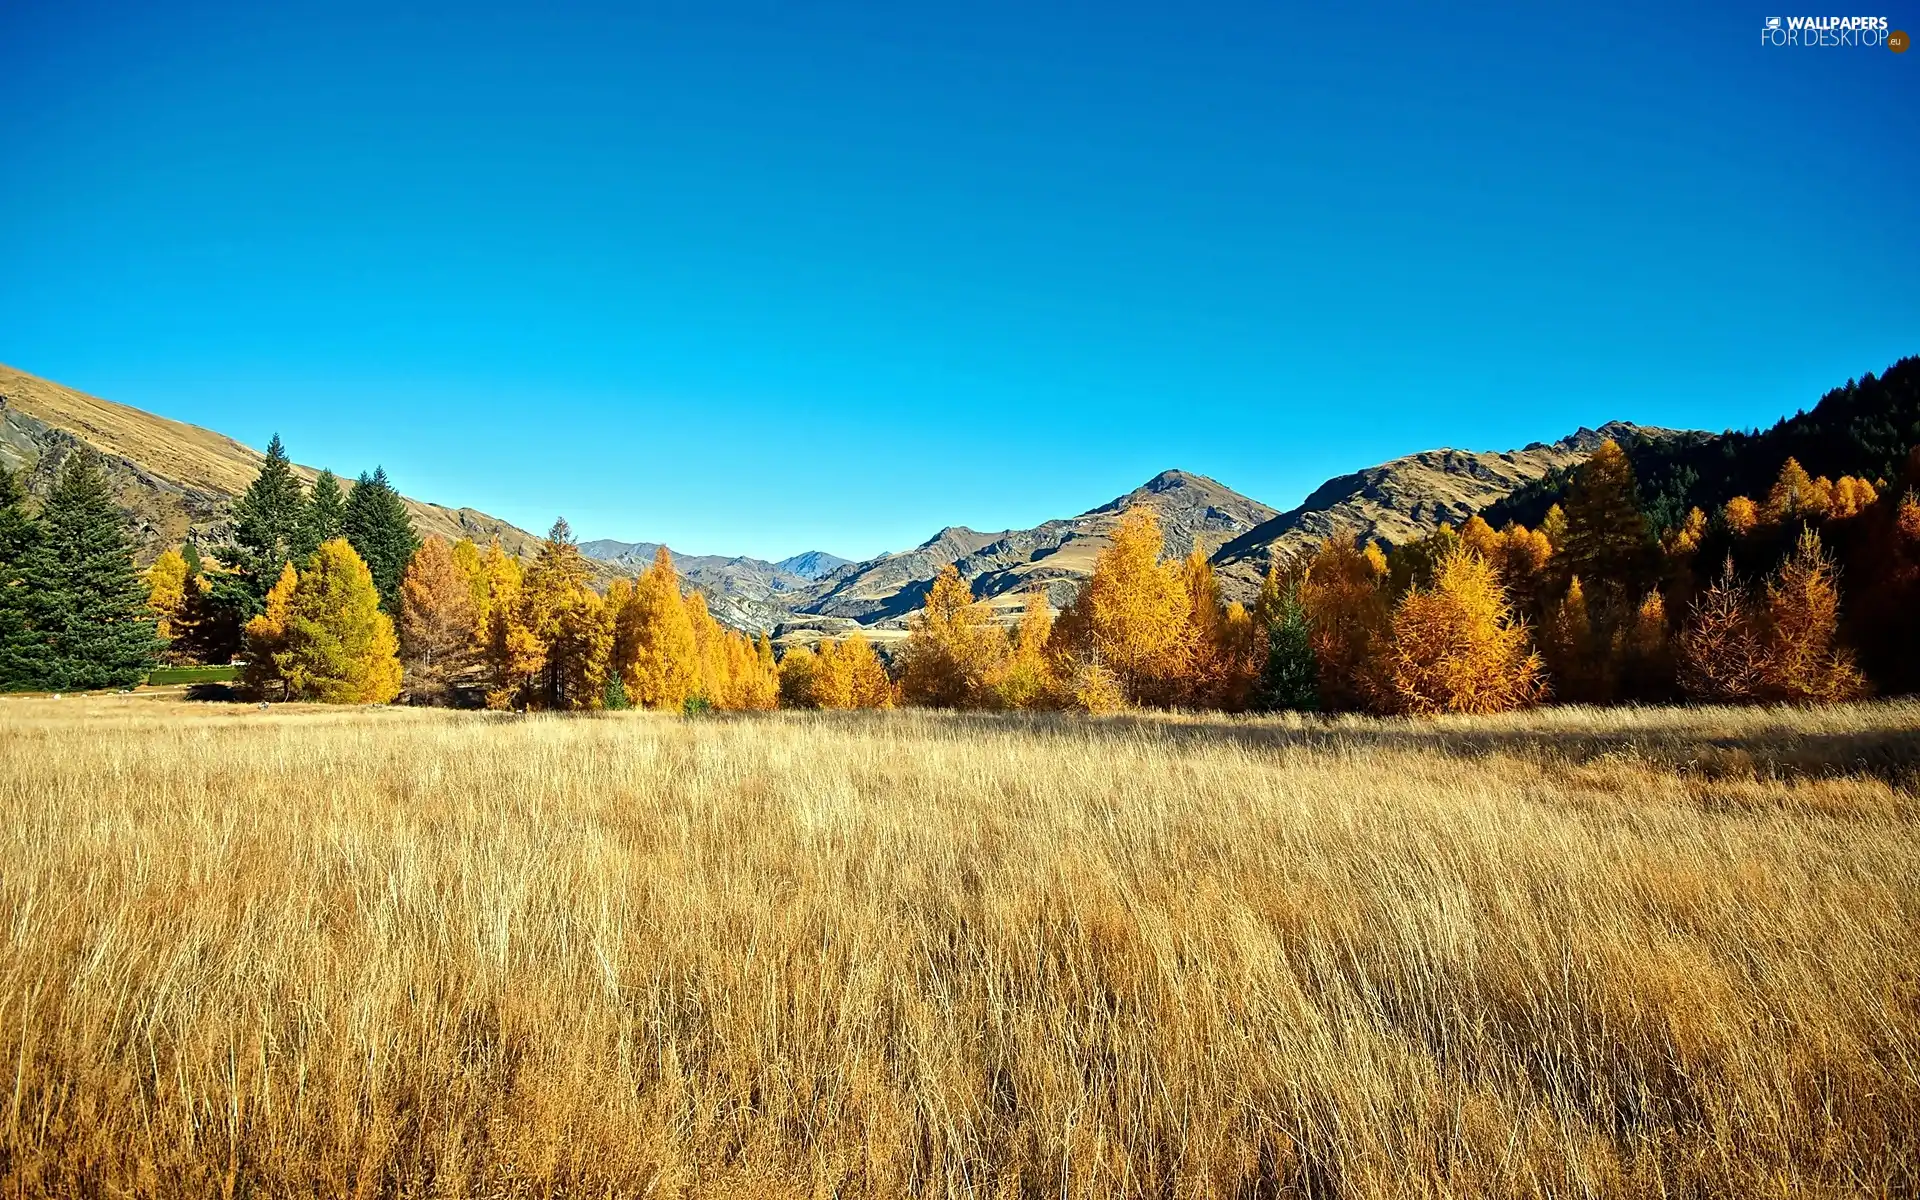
x=177, y=480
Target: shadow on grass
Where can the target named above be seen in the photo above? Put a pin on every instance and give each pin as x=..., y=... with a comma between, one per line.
x=1711, y=744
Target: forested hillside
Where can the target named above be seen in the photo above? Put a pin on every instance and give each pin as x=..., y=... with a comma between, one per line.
x=1863, y=429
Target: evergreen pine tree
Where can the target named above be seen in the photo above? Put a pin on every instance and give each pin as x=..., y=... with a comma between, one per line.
x=322, y=517
x=266, y=534
x=18, y=533
x=375, y=522
x=86, y=606
x=1290, y=677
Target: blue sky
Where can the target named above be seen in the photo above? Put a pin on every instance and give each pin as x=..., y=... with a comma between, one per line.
x=758, y=278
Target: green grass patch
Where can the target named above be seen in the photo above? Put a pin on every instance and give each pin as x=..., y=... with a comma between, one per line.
x=194, y=675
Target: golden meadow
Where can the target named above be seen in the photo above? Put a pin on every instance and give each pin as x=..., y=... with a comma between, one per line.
x=358, y=952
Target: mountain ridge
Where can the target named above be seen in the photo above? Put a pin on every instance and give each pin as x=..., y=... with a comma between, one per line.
x=179, y=479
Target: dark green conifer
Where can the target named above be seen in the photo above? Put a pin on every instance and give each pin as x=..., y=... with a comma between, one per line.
x=266, y=533
x=87, y=606
x=322, y=519
x=18, y=533
x=377, y=526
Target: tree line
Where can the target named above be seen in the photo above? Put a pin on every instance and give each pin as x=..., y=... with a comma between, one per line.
x=328, y=594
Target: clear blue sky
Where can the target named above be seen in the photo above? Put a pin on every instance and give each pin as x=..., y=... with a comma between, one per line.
x=758, y=278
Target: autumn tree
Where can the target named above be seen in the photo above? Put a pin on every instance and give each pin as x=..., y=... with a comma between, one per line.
x=563, y=631
x=1025, y=677
x=1721, y=656
x=1642, y=652
x=436, y=621
x=655, y=651
x=1136, y=616
x=1794, y=496
x=336, y=646
x=265, y=636
x=1575, y=651
x=1804, y=661
x=848, y=674
x=1457, y=647
x=798, y=669
x=171, y=589
x=1741, y=516
x=1343, y=595
x=950, y=652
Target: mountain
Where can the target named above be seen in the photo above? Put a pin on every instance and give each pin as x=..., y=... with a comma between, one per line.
x=748, y=593
x=1865, y=429
x=813, y=564
x=177, y=480
x=1056, y=554
x=1408, y=497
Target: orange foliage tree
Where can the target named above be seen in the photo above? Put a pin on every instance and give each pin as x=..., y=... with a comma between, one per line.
x=436, y=619
x=656, y=651
x=1804, y=661
x=1343, y=596
x=1457, y=647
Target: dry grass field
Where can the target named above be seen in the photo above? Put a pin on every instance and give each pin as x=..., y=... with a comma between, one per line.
x=413, y=953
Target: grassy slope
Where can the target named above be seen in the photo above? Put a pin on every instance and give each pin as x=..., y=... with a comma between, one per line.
x=1666, y=952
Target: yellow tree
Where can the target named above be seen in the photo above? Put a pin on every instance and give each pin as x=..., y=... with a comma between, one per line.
x=1793, y=495
x=1025, y=677
x=338, y=647
x=514, y=656
x=1805, y=664
x=1574, y=652
x=799, y=668
x=659, y=656
x=1137, y=613
x=579, y=642
x=265, y=636
x=713, y=680
x=1344, y=599
x=436, y=619
x=556, y=656
x=951, y=651
x=1456, y=647
x=170, y=594
x=1216, y=667
x=1851, y=497
x=1741, y=516
x=848, y=674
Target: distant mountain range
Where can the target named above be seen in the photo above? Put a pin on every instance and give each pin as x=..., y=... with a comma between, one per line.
x=177, y=481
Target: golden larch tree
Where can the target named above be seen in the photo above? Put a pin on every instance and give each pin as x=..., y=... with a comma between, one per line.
x=170, y=588
x=1457, y=646
x=848, y=674
x=1741, y=516
x=1805, y=664
x=1137, y=615
x=1793, y=495
x=436, y=620
x=265, y=636
x=951, y=651
x=1025, y=677
x=659, y=657
x=338, y=647
x=798, y=669
x=1343, y=595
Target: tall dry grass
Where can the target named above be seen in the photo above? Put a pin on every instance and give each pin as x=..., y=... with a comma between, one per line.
x=432, y=954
